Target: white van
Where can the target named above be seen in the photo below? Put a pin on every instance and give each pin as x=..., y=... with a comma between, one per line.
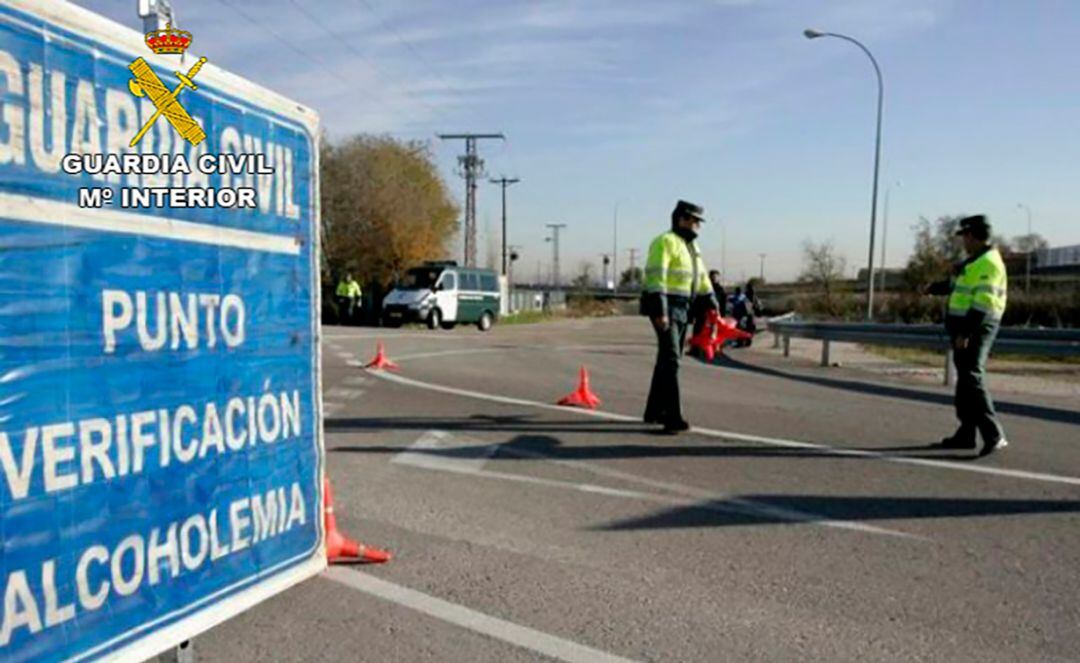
x=442, y=294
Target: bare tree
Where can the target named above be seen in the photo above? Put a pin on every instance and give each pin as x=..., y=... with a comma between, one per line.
x=822, y=266
x=631, y=278
x=584, y=278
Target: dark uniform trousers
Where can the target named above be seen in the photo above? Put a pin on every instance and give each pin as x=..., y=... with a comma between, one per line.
x=974, y=406
x=663, y=404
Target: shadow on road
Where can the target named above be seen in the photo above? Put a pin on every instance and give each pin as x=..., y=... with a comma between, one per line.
x=748, y=510
x=533, y=441
x=892, y=391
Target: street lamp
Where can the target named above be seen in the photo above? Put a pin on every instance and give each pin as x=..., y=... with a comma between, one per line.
x=1030, y=246
x=885, y=229
x=814, y=34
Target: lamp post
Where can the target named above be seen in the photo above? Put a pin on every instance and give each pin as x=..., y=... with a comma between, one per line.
x=885, y=229
x=1027, y=274
x=814, y=34
x=761, y=274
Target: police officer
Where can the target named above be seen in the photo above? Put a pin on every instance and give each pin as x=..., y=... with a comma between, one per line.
x=675, y=281
x=348, y=297
x=976, y=304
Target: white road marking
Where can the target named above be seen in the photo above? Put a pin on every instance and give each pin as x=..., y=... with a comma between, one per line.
x=439, y=450
x=331, y=408
x=355, y=380
x=552, y=348
x=500, y=629
x=345, y=394
x=446, y=353
x=718, y=502
x=770, y=441
x=433, y=336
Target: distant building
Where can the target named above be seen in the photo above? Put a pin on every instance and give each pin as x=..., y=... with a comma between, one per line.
x=1057, y=260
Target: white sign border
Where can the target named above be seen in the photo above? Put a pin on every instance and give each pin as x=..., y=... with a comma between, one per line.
x=272, y=581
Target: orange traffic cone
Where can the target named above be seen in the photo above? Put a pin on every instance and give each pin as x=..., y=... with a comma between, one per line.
x=703, y=341
x=340, y=548
x=582, y=396
x=381, y=361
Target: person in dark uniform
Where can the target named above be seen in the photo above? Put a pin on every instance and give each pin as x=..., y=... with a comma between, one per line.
x=718, y=291
x=676, y=282
x=977, y=298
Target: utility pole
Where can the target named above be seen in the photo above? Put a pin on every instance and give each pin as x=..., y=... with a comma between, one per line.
x=504, y=182
x=615, y=247
x=514, y=254
x=761, y=275
x=471, y=167
x=633, y=259
x=885, y=231
x=555, y=241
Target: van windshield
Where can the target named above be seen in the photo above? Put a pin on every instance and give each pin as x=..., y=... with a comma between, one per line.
x=421, y=279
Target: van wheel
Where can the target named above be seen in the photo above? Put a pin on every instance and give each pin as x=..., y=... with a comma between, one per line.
x=434, y=319
x=485, y=322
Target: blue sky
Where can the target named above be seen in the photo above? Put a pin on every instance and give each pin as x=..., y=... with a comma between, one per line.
x=721, y=102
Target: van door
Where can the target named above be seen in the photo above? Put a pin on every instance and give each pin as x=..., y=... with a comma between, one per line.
x=489, y=285
x=446, y=296
x=469, y=298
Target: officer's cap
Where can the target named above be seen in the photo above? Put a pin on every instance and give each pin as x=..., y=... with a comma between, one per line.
x=976, y=225
x=684, y=208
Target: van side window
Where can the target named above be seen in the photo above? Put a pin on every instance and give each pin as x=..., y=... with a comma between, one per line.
x=448, y=281
x=487, y=283
x=470, y=281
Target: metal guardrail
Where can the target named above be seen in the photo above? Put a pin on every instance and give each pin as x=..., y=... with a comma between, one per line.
x=1039, y=342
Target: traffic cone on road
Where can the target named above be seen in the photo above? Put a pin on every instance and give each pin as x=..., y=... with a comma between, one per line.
x=582, y=396
x=703, y=341
x=381, y=361
x=340, y=548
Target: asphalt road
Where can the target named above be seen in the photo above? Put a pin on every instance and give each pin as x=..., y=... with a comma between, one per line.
x=803, y=519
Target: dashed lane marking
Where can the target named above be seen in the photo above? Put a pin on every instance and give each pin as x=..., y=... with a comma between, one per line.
x=743, y=437
x=428, y=453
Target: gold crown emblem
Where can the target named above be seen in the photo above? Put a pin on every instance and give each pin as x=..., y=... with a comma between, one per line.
x=169, y=40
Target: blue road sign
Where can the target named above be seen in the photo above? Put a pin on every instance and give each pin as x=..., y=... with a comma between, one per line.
x=160, y=434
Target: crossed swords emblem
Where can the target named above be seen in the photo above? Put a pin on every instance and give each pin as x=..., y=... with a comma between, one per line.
x=167, y=102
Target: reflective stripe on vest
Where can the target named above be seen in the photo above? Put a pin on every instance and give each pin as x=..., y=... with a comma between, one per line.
x=982, y=285
x=673, y=268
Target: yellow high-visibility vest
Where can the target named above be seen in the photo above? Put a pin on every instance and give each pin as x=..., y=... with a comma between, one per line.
x=982, y=285
x=348, y=289
x=675, y=267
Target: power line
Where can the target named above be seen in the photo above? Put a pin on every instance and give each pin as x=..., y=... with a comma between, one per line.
x=404, y=42
x=345, y=43
x=302, y=53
